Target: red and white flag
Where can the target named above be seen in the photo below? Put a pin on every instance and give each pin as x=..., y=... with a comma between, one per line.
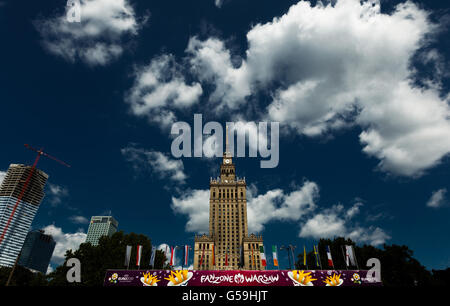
x=172, y=251
x=330, y=259
x=186, y=254
x=226, y=258
x=138, y=255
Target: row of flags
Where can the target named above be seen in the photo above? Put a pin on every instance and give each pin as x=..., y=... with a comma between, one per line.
x=153, y=254
x=347, y=251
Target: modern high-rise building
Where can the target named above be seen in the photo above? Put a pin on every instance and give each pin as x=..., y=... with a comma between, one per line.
x=37, y=251
x=10, y=191
x=101, y=226
x=228, y=245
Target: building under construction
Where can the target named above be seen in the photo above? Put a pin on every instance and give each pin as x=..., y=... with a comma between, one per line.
x=18, y=224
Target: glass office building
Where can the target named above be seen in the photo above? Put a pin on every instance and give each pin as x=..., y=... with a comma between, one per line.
x=101, y=226
x=37, y=251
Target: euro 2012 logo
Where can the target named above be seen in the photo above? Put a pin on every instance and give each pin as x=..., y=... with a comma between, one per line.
x=113, y=278
x=356, y=279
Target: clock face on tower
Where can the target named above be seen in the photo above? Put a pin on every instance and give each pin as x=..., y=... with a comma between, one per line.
x=227, y=161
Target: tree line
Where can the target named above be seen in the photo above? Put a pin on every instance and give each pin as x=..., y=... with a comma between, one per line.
x=398, y=266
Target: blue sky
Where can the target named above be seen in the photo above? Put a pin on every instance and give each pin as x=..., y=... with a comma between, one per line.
x=360, y=91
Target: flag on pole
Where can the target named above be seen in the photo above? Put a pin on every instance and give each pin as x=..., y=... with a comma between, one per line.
x=253, y=262
x=274, y=255
x=203, y=253
x=317, y=257
x=128, y=255
x=226, y=257
x=350, y=255
x=330, y=259
x=152, y=257
x=186, y=255
x=347, y=262
x=241, y=256
x=172, y=252
x=304, y=256
x=263, y=255
x=138, y=255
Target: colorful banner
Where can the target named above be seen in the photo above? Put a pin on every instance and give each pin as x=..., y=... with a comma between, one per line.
x=239, y=278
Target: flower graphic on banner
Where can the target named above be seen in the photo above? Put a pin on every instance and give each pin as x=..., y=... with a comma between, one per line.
x=113, y=278
x=179, y=278
x=356, y=278
x=149, y=280
x=301, y=278
x=334, y=280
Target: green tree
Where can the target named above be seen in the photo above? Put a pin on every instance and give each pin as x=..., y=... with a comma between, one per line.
x=108, y=254
x=398, y=267
x=22, y=277
x=160, y=259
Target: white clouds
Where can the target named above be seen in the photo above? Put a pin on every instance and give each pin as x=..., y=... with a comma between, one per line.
x=335, y=222
x=158, y=163
x=64, y=242
x=335, y=58
x=211, y=62
x=97, y=39
x=57, y=194
x=78, y=220
x=332, y=66
x=437, y=198
x=194, y=204
x=278, y=205
x=298, y=206
x=159, y=89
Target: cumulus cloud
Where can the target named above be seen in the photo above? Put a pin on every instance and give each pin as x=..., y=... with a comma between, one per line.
x=335, y=221
x=211, y=62
x=298, y=206
x=437, y=198
x=78, y=220
x=160, y=89
x=57, y=194
x=331, y=66
x=194, y=204
x=278, y=205
x=158, y=162
x=350, y=55
x=64, y=242
x=98, y=38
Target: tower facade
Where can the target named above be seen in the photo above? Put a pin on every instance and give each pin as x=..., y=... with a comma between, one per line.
x=37, y=251
x=228, y=245
x=101, y=226
x=10, y=191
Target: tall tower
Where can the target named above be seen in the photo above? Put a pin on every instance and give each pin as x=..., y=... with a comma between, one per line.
x=10, y=190
x=228, y=241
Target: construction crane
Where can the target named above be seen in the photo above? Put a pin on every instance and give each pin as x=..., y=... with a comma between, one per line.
x=40, y=153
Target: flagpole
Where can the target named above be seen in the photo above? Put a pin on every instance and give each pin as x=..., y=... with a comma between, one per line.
x=318, y=255
x=345, y=258
x=354, y=256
